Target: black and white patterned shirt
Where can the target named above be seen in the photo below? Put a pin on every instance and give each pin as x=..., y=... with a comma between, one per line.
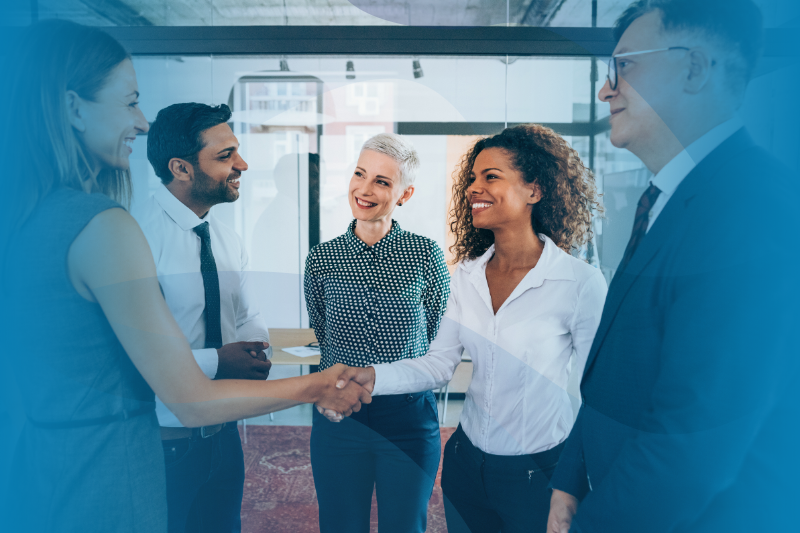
x=375, y=304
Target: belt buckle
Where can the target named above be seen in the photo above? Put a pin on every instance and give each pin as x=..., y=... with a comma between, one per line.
x=210, y=431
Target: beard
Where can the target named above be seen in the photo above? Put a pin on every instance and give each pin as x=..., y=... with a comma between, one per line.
x=208, y=191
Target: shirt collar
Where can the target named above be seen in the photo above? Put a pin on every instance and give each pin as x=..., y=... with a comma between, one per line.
x=382, y=248
x=553, y=264
x=673, y=173
x=177, y=211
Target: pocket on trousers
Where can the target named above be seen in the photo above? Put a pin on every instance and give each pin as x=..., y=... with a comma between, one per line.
x=430, y=399
x=175, y=451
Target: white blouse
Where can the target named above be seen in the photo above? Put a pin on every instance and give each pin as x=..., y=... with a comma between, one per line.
x=522, y=356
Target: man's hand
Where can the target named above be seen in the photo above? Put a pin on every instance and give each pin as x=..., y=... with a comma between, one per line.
x=346, y=399
x=562, y=508
x=243, y=360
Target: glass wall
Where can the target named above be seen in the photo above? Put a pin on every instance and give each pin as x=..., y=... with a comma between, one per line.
x=301, y=122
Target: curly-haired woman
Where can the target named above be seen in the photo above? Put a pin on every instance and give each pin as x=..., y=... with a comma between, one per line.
x=526, y=311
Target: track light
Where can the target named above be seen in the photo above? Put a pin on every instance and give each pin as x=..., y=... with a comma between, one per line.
x=284, y=65
x=417, y=69
x=351, y=71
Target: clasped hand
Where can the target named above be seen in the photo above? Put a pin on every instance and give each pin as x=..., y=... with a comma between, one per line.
x=364, y=377
x=338, y=395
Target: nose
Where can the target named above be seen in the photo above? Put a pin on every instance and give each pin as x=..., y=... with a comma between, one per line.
x=239, y=163
x=473, y=189
x=141, y=124
x=606, y=93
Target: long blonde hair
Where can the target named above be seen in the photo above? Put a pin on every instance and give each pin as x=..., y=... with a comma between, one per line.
x=40, y=148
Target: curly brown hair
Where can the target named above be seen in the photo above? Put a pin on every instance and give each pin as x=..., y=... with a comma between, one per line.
x=569, y=196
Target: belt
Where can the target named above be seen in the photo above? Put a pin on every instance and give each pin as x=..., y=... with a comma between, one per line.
x=173, y=433
x=99, y=421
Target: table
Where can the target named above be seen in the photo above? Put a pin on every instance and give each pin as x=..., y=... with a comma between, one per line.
x=288, y=338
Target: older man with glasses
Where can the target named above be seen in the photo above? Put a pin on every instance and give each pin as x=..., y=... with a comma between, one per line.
x=688, y=420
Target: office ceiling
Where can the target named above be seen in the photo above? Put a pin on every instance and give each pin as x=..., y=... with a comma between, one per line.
x=324, y=12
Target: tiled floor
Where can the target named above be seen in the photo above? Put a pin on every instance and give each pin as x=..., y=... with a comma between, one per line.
x=301, y=415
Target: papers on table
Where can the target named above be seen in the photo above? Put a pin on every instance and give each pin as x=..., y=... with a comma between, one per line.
x=302, y=351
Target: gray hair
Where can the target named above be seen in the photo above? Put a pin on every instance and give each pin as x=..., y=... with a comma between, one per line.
x=399, y=149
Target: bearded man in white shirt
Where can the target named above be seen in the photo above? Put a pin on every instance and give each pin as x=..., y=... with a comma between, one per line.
x=201, y=265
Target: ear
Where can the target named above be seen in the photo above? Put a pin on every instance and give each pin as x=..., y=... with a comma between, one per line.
x=74, y=111
x=700, y=68
x=535, y=193
x=407, y=194
x=181, y=169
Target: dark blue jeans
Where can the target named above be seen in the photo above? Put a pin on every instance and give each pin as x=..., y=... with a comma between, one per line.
x=391, y=445
x=486, y=493
x=205, y=482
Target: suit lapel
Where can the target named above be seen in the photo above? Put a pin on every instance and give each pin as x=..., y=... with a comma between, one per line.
x=671, y=223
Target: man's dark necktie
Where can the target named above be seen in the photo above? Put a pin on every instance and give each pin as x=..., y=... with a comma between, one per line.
x=208, y=267
x=640, y=222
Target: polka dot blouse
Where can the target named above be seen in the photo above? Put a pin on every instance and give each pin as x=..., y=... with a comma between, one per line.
x=375, y=304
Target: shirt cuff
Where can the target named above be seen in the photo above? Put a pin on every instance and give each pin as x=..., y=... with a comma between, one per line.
x=384, y=375
x=208, y=361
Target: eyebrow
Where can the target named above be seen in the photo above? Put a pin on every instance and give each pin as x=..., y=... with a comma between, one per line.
x=484, y=171
x=378, y=176
x=229, y=149
x=134, y=93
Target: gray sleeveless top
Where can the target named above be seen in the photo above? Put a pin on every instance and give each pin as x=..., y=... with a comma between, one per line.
x=90, y=456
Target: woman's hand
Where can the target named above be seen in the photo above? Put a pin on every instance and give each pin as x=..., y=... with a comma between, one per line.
x=330, y=414
x=345, y=399
x=363, y=376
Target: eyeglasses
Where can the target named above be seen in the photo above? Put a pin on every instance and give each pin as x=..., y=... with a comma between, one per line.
x=613, y=79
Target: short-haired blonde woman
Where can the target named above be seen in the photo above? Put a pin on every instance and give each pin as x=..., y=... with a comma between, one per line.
x=376, y=295
x=526, y=311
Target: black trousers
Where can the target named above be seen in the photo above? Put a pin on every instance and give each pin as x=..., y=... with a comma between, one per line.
x=391, y=445
x=486, y=493
x=205, y=483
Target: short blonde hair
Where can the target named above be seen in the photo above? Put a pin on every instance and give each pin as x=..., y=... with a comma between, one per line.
x=400, y=150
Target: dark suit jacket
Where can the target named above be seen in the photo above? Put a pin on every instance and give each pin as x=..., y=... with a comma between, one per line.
x=687, y=421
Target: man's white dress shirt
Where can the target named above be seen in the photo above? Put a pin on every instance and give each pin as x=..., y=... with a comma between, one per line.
x=673, y=173
x=517, y=402
x=169, y=226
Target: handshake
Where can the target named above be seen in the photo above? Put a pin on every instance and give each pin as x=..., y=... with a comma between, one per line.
x=348, y=378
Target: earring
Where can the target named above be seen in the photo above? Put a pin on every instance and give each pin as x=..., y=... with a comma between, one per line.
x=400, y=204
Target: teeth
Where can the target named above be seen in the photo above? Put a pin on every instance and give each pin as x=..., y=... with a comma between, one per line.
x=480, y=206
x=365, y=204
x=128, y=142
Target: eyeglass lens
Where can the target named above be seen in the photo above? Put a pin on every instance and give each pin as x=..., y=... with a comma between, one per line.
x=612, y=73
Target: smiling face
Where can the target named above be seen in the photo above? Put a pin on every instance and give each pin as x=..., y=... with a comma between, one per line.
x=650, y=86
x=376, y=187
x=108, y=125
x=218, y=169
x=499, y=195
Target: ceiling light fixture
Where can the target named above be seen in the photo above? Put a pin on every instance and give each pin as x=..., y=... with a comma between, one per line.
x=417, y=69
